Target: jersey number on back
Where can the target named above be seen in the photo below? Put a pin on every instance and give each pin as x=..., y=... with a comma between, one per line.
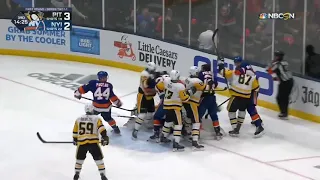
x=85, y=128
x=244, y=79
x=99, y=94
x=168, y=94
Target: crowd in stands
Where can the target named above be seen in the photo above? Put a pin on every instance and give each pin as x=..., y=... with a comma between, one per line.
x=288, y=36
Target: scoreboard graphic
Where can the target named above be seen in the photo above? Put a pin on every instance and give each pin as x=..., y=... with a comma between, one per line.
x=44, y=19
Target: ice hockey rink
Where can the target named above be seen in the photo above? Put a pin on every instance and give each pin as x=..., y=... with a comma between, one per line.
x=290, y=150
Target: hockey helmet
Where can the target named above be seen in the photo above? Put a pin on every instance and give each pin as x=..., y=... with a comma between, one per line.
x=237, y=59
x=88, y=108
x=206, y=67
x=193, y=71
x=279, y=53
x=151, y=67
x=174, y=75
x=102, y=74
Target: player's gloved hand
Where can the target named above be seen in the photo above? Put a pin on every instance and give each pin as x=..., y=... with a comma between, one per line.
x=275, y=78
x=75, y=141
x=118, y=103
x=77, y=94
x=104, y=140
x=192, y=90
x=220, y=65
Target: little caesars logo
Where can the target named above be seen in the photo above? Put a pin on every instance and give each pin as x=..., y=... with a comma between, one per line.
x=157, y=54
x=70, y=81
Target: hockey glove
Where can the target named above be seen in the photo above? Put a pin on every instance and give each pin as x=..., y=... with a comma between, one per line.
x=75, y=141
x=77, y=94
x=104, y=140
x=220, y=65
x=118, y=103
x=192, y=90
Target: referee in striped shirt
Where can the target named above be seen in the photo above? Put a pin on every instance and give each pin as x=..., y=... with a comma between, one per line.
x=279, y=67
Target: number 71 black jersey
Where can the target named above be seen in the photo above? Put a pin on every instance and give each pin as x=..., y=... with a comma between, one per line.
x=103, y=95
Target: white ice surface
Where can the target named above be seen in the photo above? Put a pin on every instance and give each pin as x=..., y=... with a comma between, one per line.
x=288, y=151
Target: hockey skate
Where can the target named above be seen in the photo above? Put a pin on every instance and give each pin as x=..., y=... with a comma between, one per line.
x=155, y=137
x=235, y=131
x=164, y=140
x=196, y=146
x=177, y=147
x=259, y=132
x=134, y=134
x=76, y=176
x=218, y=134
x=283, y=116
x=116, y=130
x=103, y=177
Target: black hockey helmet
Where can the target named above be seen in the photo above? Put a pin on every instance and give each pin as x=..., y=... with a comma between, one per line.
x=206, y=67
x=279, y=53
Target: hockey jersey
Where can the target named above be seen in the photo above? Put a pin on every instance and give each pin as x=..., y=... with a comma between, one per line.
x=147, y=85
x=206, y=77
x=103, y=95
x=160, y=85
x=241, y=85
x=175, y=95
x=200, y=87
x=87, y=128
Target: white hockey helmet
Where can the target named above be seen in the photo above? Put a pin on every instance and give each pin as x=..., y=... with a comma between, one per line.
x=175, y=75
x=88, y=108
x=193, y=71
x=151, y=66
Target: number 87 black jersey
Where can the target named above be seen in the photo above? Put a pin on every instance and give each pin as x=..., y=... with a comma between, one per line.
x=103, y=95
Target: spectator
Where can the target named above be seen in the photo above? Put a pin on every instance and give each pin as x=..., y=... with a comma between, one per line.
x=205, y=39
x=14, y=6
x=18, y=4
x=312, y=67
x=259, y=45
x=65, y=3
x=145, y=23
x=230, y=32
x=171, y=26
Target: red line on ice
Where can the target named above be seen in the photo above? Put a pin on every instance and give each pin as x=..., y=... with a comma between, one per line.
x=294, y=159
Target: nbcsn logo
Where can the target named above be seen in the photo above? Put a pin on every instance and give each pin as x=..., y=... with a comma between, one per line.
x=282, y=16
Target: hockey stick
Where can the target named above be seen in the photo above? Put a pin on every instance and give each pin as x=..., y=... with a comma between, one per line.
x=224, y=89
x=206, y=116
x=52, y=142
x=223, y=102
x=218, y=53
x=112, y=106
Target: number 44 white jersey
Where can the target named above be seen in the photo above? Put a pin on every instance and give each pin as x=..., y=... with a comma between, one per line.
x=175, y=94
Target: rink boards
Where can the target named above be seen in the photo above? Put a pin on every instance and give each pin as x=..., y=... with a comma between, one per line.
x=132, y=52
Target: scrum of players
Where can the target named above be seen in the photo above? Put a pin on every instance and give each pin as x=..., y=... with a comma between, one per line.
x=195, y=94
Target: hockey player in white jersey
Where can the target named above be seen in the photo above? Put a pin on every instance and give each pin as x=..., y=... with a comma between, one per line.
x=194, y=84
x=145, y=97
x=86, y=131
x=175, y=95
x=158, y=118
